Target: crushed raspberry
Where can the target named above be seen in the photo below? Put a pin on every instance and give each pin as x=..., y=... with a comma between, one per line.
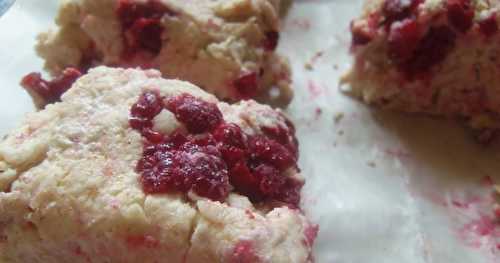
x=489, y=26
x=216, y=155
x=460, y=14
x=141, y=25
x=432, y=49
x=145, y=33
x=398, y=10
x=142, y=113
x=172, y=166
x=148, y=106
x=244, y=252
x=289, y=193
x=284, y=136
x=311, y=232
x=271, y=40
x=51, y=91
x=270, y=181
x=199, y=116
x=247, y=85
x=269, y=151
x=403, y=39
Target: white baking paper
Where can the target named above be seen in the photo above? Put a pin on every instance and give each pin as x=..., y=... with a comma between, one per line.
x=384, y=187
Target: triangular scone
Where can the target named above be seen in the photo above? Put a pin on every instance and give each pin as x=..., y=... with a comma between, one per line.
x=439, y=57
x=225, y=47
x=130, y=167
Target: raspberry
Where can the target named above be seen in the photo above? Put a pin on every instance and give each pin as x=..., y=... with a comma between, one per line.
x=247, y=85
x=230, y=134
x=207, y=164
x=271, y=40
x=51, y=91
x=269, y=151
x=148, y=106
x=403, y=39
x=432, y=49
x=199, y=116
x=460, y=14
x=489, y=26
x=141, y=25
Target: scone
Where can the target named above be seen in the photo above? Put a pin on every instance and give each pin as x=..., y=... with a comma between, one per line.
x=130, y=167
x=226, y=47
x=439, y=57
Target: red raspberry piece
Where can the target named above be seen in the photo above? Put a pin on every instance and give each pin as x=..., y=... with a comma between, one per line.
x=403, y=39
x=460, y=14
x=247, y=85
x=271, y=40
x=198, y=115
x=489, y=26
x=51, y=91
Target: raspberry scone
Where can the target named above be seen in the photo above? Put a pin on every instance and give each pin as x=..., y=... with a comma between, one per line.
x=226, y=47
x=438, y=57
x=130, y=167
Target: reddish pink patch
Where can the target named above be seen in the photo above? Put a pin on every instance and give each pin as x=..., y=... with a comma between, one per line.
x=142, y=241
x=108, y=169
x=314, y=89
x=78, y=251
x=244, y=252
x=317, y=113
x=483, y=226
x=460, y=204
x=211, y=24
x=482, y=229
x=249, y=214
x=115, y=204
x=496, y=212
x=311, y=232
x=487, y=181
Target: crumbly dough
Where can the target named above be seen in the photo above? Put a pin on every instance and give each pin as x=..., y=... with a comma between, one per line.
x=69, y=191
x=208, y=43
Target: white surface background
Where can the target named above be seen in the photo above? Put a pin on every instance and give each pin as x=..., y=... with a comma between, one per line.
x=381, y=185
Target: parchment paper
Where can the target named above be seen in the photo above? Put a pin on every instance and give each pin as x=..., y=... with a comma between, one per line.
x=384, y=187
